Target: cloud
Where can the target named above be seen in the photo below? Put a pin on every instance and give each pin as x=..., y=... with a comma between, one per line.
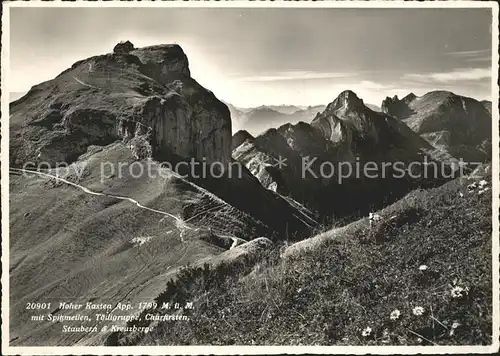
x=481, y=52
x=453, y=76
x=482, y=55
x=368, y=84
x=293, y=75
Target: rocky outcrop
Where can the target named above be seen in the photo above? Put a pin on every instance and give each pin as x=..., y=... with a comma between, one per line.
x=454, y=123
x=163, y=60
x=146, y=91
x=346, y=135
x=397, y=107
x=487, y=105
x=348, y=122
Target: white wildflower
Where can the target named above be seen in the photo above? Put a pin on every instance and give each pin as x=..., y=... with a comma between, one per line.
x=483, y=191
x=374, y=218
x=482, y=183
x=418, y=311
x=453, y=327
x=366, y=332
x=423, y=267
x=395, y=314
x=471, y=187
x=457, y=292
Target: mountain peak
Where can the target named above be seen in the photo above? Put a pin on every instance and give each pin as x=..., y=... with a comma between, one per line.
x=349, y=97
x=171, y=112
x=240, y=137
x=410, y=97
x=346, y=101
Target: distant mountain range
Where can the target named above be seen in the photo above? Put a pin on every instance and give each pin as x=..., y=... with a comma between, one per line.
x=259, y=119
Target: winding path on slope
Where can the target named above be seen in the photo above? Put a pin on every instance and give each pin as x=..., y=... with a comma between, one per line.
x=179, y=223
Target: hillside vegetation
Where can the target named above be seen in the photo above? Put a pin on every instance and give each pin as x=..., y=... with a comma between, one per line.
x=421, y=276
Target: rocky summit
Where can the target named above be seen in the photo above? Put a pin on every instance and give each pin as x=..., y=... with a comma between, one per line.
x=131, y=92
x=347, y=120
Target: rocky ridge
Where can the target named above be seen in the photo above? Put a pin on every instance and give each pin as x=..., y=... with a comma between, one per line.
x=458, y=125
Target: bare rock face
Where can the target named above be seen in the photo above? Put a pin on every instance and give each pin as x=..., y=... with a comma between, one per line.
x=146, y=91
x=487, y=105
x=350, y=123
x=162, y=60
x=398, y=107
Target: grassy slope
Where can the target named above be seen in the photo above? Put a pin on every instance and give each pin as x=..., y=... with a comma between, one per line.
x=346, y=282
x=67, y=245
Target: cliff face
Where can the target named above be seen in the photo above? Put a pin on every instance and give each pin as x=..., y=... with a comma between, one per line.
x=487, y=105
x=146, y=92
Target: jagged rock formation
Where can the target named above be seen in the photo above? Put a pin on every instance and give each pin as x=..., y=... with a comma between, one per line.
x=147, y=91
x=396, y=107
x=456, y=124
x=346, y=133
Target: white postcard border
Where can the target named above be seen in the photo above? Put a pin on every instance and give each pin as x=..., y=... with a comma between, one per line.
x=231, y=350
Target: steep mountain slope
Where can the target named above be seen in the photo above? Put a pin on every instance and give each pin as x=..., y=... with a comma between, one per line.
x=487, y=105
x=454, y=123
x=129, y=210
x=237, y=117
x=354, y=285
x=321, y=159
x=291, y=144
x=348, y=121
x=373, y=107
x=147, y=91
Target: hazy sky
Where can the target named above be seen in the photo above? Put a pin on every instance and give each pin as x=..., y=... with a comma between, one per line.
x=250, y=57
